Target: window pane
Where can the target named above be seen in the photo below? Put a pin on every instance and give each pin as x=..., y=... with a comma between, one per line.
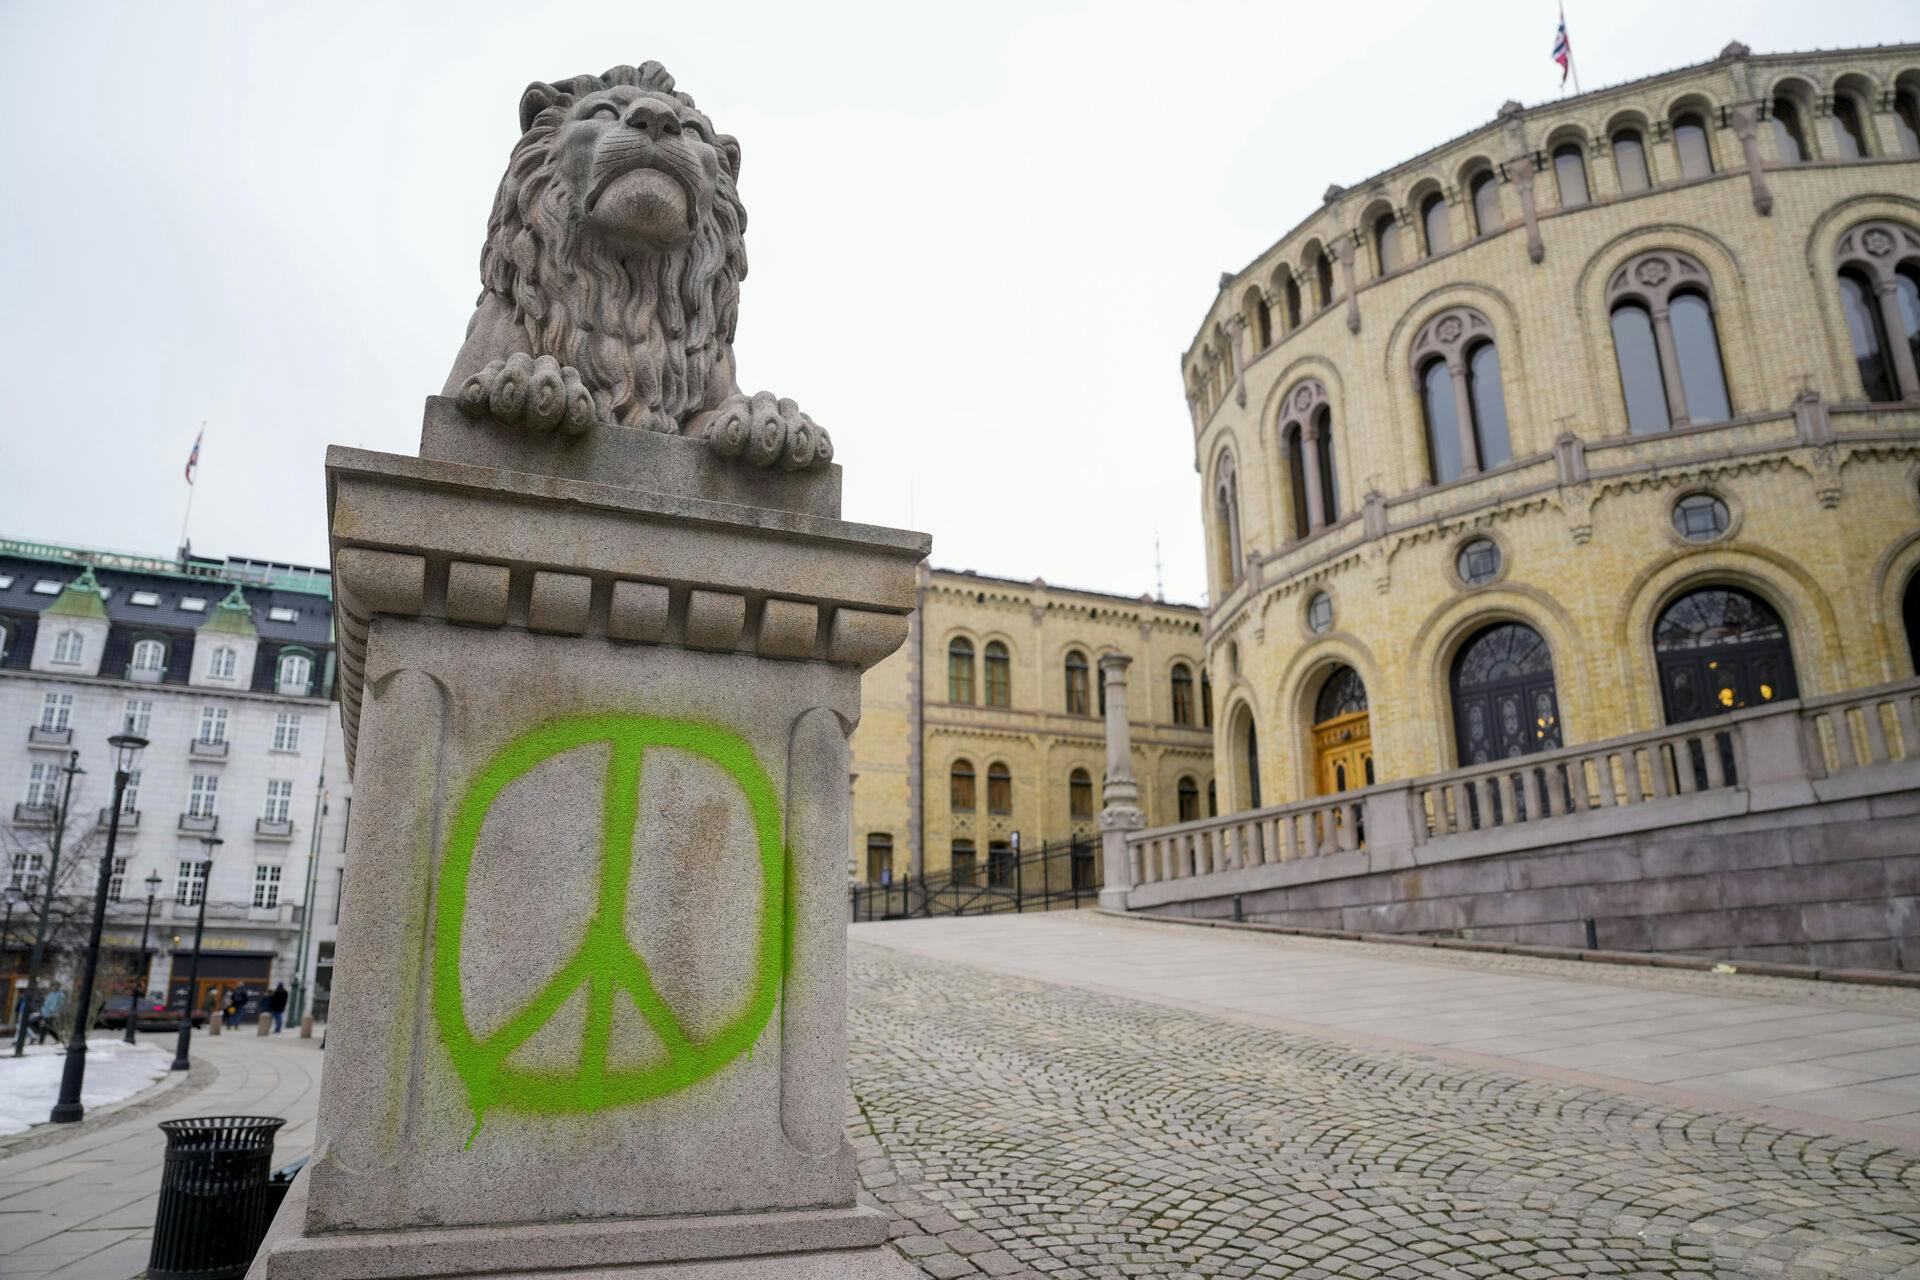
x=1297, y=473
x=1486, y=204
x=1847, y=138
x=1489, y=406
x=1869, y=344
x=1293, y=303
x=1329, y=480
x=1698, y=347
x=960, y=672
x=1639, y=360
x=1786, y=132
x=1439, y=233
x=1386, y=234
x=1571, y=172
x=1906, y=115
x=1443, y=424
x=1630, y=161
x=1690, y=139
x=1323, y=273
x=999, y=672
x=1907, y=294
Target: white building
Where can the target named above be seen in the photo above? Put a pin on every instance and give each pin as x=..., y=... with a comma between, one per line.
x=226, y=667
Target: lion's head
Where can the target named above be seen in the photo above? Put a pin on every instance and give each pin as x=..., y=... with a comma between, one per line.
x=617, y=239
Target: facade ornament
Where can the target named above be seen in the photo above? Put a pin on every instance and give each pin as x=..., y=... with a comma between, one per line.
x=1448, y=336
x=1521, y=167
x=1741, y=118
x=1343, y=250
x=1303, y=414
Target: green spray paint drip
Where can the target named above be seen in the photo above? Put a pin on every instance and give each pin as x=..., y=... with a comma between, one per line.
x=605, y=963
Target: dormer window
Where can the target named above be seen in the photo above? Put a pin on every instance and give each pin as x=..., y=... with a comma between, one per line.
x=149, y=660
x=47, y=587
x=192, y=604
x=145, y=599
x=221, y=665
x=280, y=613
x=68, y=647
x=296, y=675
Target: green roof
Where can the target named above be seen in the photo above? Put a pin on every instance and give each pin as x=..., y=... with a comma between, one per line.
x=233, y=616
x=80, y=599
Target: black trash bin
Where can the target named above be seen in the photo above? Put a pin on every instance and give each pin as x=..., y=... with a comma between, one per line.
x=214, y=1199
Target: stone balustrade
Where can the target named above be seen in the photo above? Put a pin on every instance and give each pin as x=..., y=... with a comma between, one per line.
x=1798, y=752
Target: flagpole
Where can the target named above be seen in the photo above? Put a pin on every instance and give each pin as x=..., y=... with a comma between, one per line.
x=1573, y=67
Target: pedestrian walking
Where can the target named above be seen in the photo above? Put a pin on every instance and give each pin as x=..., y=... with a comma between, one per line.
x=277, y=1006
x=230, y=1012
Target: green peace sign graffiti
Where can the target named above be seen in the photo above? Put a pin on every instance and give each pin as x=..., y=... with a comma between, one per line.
x=605, y=962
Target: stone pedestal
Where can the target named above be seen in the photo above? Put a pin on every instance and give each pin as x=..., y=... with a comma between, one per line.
x=589, y=1007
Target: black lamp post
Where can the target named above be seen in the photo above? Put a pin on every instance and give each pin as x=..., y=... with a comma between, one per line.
x=180, y=1062
x=73, y=1073
x=146, y=965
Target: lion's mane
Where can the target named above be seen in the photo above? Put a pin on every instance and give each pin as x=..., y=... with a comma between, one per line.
x=646, y=329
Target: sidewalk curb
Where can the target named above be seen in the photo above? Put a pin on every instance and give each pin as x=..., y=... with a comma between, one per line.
x=1644, y=959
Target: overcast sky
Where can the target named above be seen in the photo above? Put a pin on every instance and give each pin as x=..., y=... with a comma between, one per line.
x=980, y=234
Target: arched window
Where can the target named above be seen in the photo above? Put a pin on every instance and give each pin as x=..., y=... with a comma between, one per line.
x=1788, y=137
x=999, y=673
x=1323, y=280
x=1253, y=765
x=1206, y=698
x=1630, y=161
x=1226, y=512
x=68, y=647
x=999, y=788
x=1868, y=333
x=1720, y=649
x=1213, y=799
x=1263, y=323
x=1342, y=733
x=149, y=656
x=1504, y=700
x=1079, y=794
x=1343, y=693
x=1306, y=430
x=1433, y=220
x=960, y=780
x=1188, y=792
x=960, y=670
x=1570, y=174
x=220, y=666
x=1457, y=369
x=1906, y=121
x=1849, y=138
x=1387, y=243
x=296, y=673
x=1690, y=140
x=879, y=859
x=1879, y=273
x=1079, y=699
x=1666, y=343
x=1182, y=694
x=1291, y=296
x=1486, y=202
x=1910, y=618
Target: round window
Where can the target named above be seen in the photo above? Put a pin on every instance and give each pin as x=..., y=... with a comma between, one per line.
x=1700, y=517
x=1478, y=562
x=1320, y=613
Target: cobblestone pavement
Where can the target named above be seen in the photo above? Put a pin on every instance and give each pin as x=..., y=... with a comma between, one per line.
x=1012, y=1127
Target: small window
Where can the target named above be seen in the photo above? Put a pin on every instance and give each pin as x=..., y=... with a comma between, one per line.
x=279, y=800
x=6, y=580
x=960, y=782
x=145, y=599
x=1788, y=138
x=1182, y=694
x=960, y=671
x=1386, y=239
x=1320, y=613
x=999, y=788
x=56, y=712
x=1690, y=140
x=1867, y=330
x=192, y=604
x=204, y=797
x=1906, y=122
x=221, y=665
x=286, y=731
x=138, y=716
x=266, y=885
x=47, y=587
x=149, y=655
x=117, y=883
x=1478, y=562
x=999, y=672
x=1486, y=202
x=1700, y=517
x=1080, y=794
x=1323, y=278
x=1630, y=161
x=1433, y=219
x=1848, y=137
x=280, y=613
x=879, y=858
x=69, y=648
x=213, y=725
x=191, y=885
x=1570, y=171
x=1079, y=691
x=296, y=674
x=1189, y=792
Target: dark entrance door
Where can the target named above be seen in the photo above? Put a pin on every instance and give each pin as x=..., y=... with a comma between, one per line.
x=1504, y=700
x=1720, y=649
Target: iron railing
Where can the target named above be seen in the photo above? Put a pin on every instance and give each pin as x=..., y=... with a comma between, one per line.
x=1058, y=876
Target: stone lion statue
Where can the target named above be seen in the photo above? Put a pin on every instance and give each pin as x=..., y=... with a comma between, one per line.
x=611, y=276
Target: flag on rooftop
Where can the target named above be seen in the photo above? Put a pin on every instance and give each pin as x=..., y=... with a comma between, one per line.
x=193, y=459
x=1563, y=48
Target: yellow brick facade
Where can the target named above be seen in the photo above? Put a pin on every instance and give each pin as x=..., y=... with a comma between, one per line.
x=913, y=731
x=1819, y=481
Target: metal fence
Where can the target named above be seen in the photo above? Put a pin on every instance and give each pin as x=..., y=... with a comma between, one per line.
x=1053, y=877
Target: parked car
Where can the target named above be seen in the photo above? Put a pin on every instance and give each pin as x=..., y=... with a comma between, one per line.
x=154, y=1015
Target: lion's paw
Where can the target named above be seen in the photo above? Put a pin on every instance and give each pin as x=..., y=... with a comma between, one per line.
x=539, y=393
x=765, y=432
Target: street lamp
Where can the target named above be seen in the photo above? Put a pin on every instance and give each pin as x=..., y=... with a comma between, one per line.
x=180, y=1062
x=72, y=769
x=126, y=751
x=146, y=964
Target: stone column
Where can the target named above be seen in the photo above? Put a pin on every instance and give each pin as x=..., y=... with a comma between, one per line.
x=1887, y=291
x=591, y=1010
x=1343, y=250
x=1120, y=797
x=1463, y=414
x=1744, y=129
x=1669, y=364
x=1310, y=456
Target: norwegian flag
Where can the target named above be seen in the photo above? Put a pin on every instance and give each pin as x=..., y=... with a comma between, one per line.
x=193, y=459
x=1563, y=48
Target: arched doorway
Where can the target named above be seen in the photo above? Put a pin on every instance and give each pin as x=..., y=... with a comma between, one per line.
x=1342, y=733
x=1243, y=759
x=1720, y=649
x=1504, y=700
x=1910, y=615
